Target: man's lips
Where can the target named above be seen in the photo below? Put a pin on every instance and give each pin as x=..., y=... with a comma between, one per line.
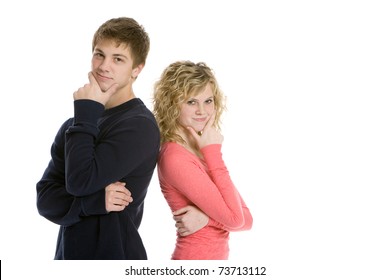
x=103, y=78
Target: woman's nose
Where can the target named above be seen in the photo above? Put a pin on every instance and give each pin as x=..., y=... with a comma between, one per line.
x=200, y=110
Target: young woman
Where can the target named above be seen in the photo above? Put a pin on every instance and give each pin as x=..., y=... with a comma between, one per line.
x=188, y=105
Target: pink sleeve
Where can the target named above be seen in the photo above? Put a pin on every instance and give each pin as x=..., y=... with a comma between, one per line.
x=247, y=217
x=214, y=193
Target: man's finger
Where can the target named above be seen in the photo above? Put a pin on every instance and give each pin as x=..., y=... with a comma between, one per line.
x=92, y=79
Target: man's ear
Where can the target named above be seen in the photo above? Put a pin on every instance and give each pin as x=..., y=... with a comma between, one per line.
x=135, y=72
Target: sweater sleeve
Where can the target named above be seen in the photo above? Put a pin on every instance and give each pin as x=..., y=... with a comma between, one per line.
x=247, y=217
x=213, y=193
x=91, y=163
x=56, y=205
x=53, y=201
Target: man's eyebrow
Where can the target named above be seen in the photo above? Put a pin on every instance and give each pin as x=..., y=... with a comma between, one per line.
x=115, y=54
x=119, y=54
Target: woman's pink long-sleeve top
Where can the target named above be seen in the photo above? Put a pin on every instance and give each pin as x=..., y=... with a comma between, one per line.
x=185, y=179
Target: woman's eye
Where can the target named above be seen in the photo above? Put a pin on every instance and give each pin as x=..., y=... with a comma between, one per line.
x=191, y=102
x=209, y=101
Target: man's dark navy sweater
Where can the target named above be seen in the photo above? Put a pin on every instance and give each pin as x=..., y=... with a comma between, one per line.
x=90, y=151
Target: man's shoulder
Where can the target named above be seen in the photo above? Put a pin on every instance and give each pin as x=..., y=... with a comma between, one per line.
x=139, y=113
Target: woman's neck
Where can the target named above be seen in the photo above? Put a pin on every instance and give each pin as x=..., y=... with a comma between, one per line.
x=190, y=143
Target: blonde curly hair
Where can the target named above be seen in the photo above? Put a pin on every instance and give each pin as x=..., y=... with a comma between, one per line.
x=180, y=81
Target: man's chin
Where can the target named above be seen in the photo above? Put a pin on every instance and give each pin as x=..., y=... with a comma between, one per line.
x=103, y=87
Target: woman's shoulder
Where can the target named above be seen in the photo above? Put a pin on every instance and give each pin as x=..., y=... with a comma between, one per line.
x=172, y=150
x=173, y=153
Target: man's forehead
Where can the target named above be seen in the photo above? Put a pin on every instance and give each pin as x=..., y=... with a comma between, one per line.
x=113, y=46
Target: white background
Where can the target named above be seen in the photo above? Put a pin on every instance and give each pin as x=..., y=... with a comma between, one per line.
x=306, y=131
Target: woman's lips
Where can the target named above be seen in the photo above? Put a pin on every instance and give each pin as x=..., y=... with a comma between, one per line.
x=200, y=119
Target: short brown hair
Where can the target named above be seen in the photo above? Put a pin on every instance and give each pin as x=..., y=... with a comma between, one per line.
x=127, y=31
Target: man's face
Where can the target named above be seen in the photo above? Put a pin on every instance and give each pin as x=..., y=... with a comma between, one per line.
x=112, y=64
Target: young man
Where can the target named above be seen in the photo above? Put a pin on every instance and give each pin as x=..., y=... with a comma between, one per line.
x=103, y=158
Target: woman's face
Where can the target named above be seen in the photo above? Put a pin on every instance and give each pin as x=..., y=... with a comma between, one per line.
x=196, y=111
